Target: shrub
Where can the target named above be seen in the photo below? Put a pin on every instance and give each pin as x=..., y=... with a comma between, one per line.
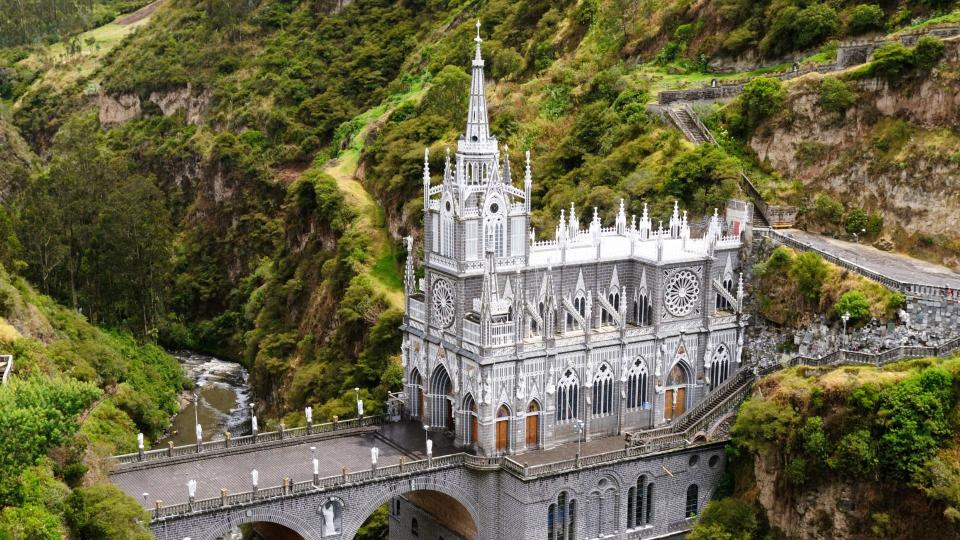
x=928, y=52
x=891, y=61
x=835, y=95
x=809, y=271
x=814, y=24
x=865, y=18
x=761, y=97
x=856, y=222
x=726, y=518
x=856, y=455
x=856, y=304
x=103, y=511
x=827, y=209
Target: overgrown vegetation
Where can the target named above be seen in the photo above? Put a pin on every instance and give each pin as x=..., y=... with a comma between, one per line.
x=893, y=426
x=793, y=288
x=77, y=394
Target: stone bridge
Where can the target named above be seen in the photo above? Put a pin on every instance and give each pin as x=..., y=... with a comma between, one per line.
x=470, y=496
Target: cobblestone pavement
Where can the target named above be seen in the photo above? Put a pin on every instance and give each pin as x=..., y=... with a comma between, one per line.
x=893, y=265
x=232, y=471
x=569, y=451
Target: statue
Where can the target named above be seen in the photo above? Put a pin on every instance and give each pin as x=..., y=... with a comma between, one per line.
x=521, y=382
x=331, y=518
x=486, y=391
x=904, y=316
x=661, y=352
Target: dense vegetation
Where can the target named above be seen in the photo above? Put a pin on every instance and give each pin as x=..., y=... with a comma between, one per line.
x=793, y=288
x=78, y=394
x=49, y=20
x=887, y=431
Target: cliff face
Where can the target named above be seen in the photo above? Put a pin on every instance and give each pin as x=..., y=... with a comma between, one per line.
x=895, y=150
x=846, y=511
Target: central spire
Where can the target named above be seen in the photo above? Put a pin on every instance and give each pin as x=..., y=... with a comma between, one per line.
x=478, y=128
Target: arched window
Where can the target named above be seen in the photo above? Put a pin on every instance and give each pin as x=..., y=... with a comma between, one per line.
x=446, y=228
x=613, y=297
x=603, y=391
x=441, y=414
x=568, y=394
x=723, y=303
x=693, y=493
x=414, y=527
x=639, y=504
x=642, y=308
x=637, y=385
x=580, y=305
x=472, y=424
x=719, y=366
x=561, y=518
x=416, y=385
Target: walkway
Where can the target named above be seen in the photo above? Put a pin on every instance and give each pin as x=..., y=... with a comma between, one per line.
x=892, y=265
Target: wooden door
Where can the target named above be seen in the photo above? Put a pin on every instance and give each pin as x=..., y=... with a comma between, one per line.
x=474, y=428
x=420, y=409
x=681, y=405
x=502, y=428
x=533, y=430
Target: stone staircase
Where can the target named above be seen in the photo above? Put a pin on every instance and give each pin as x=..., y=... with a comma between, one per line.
x=687, y=121
x=716, y=402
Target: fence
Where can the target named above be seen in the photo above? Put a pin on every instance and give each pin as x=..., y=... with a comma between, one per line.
x=844, y=356
x=907, y=288
x=6, y=365
x=249, y=440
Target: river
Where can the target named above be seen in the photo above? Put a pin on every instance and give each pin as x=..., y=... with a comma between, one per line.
x=224, y=396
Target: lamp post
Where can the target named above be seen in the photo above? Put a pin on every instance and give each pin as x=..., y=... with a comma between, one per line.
x=316, y=465
x=845, y=317
x=579, y=425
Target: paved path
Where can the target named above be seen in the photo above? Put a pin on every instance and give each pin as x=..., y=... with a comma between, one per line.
x=231, y=471
x=569, y=451
x=892, y=265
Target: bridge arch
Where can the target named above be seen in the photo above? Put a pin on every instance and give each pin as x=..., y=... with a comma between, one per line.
x=262, y=514
x=358, y=515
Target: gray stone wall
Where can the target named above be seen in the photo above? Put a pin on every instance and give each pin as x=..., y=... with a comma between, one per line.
x=502, y=505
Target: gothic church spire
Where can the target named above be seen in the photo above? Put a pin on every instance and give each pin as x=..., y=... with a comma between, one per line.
x=478, y=127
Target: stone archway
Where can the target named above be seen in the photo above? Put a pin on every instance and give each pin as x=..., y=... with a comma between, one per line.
x=262, y=514
x=354, y=518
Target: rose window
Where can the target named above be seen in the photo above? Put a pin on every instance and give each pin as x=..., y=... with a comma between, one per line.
x=681, y=293
x=443, y=305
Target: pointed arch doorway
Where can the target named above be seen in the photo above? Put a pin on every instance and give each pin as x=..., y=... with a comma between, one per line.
x=675, y=397
x=503, y=429
x=533, y=425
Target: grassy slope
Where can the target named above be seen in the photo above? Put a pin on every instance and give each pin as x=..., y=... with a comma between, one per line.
x=60, y=69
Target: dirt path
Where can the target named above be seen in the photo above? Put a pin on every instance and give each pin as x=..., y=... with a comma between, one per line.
x=370, y=218
x=138, y=15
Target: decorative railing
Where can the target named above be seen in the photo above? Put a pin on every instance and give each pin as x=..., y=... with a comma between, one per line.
x=471, y=332
x=843, y=356
x=775, y=216
x=248, y=440
x=6, y=366
x=908, y=288
x=443, y=262
x=501, y=334
x=417, y=310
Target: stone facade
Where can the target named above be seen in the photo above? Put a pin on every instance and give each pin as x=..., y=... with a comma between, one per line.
x=501, y=504
x=513, y=344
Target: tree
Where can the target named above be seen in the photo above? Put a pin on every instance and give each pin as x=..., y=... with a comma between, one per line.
x=447, y=96
x=727, y=518
x=835, y=95
x=809, y=271
x=814, y=24
x=102, y=511
x=855, y=303
x=928, y=52
x=865, y=18
x=761, y=98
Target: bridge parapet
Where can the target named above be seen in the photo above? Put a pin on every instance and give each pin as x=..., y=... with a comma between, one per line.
x=246, y=442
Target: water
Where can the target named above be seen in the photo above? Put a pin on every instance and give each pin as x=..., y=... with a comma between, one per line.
x=224, y=400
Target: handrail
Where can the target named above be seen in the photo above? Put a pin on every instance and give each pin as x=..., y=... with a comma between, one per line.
x=845, y=356
x=247, y=441
x=906, y=287
x=7, y=360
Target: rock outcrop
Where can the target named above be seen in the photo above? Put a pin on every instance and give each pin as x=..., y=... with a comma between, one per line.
x=118, y=110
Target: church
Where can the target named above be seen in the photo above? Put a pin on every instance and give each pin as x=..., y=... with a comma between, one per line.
x=512, y=344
